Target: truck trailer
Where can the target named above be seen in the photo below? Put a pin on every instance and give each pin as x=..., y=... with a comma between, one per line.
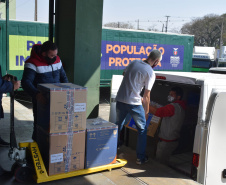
x=121, y=46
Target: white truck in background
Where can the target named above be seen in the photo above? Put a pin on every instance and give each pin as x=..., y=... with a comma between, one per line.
x=201, y=151
x=222, y=58
x=221, y=62
x=203, y=58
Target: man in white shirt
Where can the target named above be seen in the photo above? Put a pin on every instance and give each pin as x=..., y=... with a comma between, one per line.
x=138, y=74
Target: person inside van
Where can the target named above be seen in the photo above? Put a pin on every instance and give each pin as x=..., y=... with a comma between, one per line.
x=172, y=119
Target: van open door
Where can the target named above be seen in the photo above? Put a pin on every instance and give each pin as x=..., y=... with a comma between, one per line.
x=215, y=168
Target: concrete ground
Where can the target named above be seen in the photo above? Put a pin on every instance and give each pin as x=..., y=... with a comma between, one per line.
x=150, y=173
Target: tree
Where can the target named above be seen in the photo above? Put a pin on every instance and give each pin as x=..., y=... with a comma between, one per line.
x=207, y=31
x=152, y=28
x=119, y=25
x=174, y=30
x=223, y=28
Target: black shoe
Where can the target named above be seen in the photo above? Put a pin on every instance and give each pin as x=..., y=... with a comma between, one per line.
x=34, y=137
x=3, y=143
x=120, y=143
x=143, y=161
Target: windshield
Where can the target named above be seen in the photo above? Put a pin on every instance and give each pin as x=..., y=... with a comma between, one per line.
x=201, y=63
x=221, y=64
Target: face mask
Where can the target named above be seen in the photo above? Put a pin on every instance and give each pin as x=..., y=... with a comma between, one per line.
x=50, y=60
x=154, y=65
x=170, y=98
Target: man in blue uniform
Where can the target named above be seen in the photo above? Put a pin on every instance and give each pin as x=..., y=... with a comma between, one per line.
x=7, y=85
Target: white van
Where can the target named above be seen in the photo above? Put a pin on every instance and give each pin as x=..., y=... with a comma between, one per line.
x=202, y=147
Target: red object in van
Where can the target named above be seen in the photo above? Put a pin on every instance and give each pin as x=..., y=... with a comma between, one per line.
x=195, y=160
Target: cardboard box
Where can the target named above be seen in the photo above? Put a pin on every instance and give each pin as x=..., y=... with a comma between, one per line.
x=152, y=124
x=65, y=108
x=101, y=142
x=62, y=152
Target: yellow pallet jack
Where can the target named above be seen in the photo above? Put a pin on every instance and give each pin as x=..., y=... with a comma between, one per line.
x=41, y=173
x=23, y=170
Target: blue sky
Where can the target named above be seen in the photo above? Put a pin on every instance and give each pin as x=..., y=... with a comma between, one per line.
x=150, y=13
x=180, y=11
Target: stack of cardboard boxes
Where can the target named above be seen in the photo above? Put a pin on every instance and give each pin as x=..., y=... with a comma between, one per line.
x=66, y=139
x=61, y=127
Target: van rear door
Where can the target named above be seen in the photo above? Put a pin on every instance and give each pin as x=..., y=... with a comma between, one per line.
x=215, y=170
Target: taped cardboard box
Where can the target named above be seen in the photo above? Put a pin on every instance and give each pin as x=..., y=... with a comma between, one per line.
x=65, y=107
x=62, y=152
x=101, y=142
x=152, y=124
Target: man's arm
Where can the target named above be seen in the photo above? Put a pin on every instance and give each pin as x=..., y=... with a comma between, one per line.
x=146, y=102
x=152, y=109
x=63, y=76
x=6, y=86
x=166, y=111
x=27, y=82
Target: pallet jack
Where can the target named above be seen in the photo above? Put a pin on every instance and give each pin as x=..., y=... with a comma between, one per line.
x=29, y=162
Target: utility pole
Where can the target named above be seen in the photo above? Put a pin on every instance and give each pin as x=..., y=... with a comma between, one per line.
x=221, y=34
x=167, y=18
x=51, y=19
x=162, y=27
x=221, y=40
x=138, y=24
x=36, y=10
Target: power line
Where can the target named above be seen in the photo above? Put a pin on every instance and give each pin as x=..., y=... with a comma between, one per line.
x=148, y=21
x=143, y=24
x=20, y=4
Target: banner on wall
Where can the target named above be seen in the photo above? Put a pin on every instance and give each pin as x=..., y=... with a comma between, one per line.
x=117, y=55
x=20, y=49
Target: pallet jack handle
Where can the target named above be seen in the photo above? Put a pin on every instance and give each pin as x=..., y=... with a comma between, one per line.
x=13, y=143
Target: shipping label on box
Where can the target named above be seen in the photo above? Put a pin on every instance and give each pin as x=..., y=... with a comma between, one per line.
x=65, y=109
x=152, y=124
x=101, y=142
x=54, y=158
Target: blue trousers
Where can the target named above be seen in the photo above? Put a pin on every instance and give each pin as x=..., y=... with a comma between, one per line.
x=138, y=114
